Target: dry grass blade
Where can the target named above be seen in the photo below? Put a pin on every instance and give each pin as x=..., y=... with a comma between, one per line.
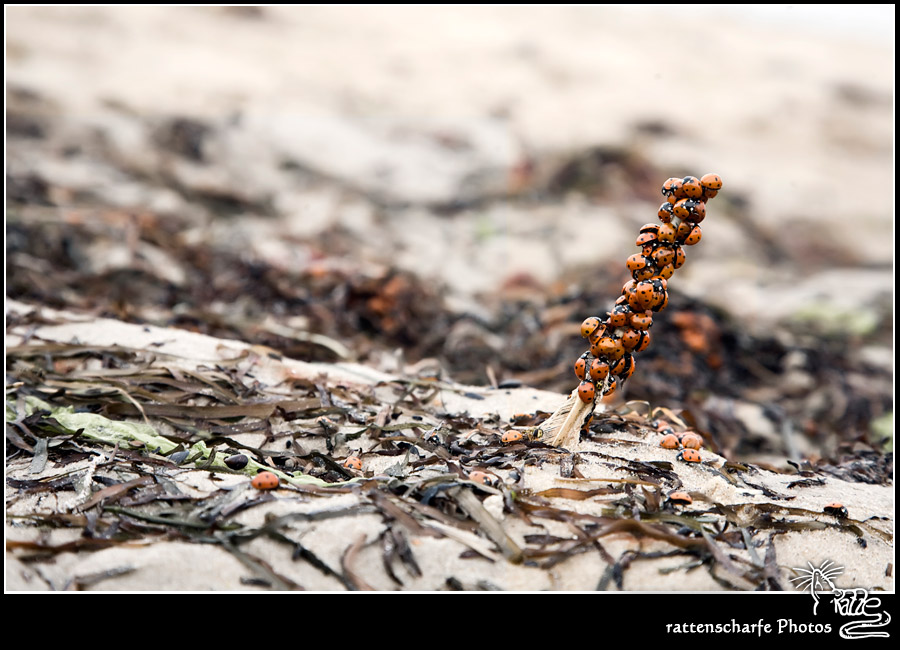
x=491, y=527
x=113, y=491
x=262, y=569
x=563, y=428
x=347, y=561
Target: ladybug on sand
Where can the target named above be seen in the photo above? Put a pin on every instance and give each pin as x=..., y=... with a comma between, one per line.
x=691, y=440
x=836, y=509
x=510, y=437
x=353, y=462
x=482, y=477
x=680, y=498
x=265, y=481
x=669, y=441
x=689, y=456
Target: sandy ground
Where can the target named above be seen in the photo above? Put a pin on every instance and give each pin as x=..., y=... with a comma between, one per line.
x=398, y=114
x=439, y=550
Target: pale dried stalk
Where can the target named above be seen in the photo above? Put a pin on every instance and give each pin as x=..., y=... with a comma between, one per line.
x=563, y=428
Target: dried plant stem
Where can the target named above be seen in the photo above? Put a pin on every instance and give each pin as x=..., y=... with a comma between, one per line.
x=563, y=428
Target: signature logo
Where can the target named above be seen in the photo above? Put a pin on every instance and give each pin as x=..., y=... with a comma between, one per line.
x=856, y=603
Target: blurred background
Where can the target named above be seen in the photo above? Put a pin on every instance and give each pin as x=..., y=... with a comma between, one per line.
x=450, y=191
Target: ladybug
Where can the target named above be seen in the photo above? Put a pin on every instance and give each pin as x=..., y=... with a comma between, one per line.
x=599, y=370
x=691, y=187
x=679, y=257
x=643, y=295
x=837, y=510
x=610, y=348
x=644, y=274
x=510, y=437
x=642, y=321
x=645, y=342
x=711, y=182
x=667, y=271
x=589, y=326
x=680, y=497
x=697, y=211
x=669, y=441
x=630, y=340
x=666, y=233
x=690, y=440
x=693, y=237
x=683, y=230
x=587, y=391
x=672, y=188
x=619, y=316
x=599, y=333
x=353, y=462
x=660, y=297
x=482, y=477
x=581, y=367
x=664, y=427
x=265, y=481
x=689, y=455
x=645, y=238
x=625, y=368
x=680, y=209
x=665, y=212
x=622, y=364
x=663, y=256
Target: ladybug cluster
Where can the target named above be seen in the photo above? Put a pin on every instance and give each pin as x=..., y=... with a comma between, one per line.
x=687, y=442
x=626, y=329
x=678, y=440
